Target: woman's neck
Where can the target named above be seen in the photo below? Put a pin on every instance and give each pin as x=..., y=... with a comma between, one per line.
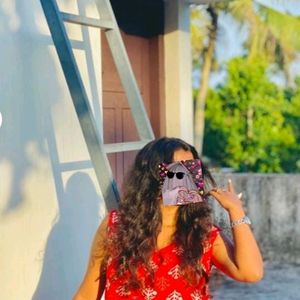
x=169, y=215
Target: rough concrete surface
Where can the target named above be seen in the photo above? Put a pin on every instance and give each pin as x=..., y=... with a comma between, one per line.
x=280, y=282
x=272, y=201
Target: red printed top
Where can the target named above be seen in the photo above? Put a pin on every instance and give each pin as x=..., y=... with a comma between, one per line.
x=168, y=281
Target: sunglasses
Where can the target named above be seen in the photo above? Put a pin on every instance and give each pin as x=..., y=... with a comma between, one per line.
x=179, y=175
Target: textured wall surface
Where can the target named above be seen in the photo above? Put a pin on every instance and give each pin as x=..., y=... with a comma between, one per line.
x=50, y=206
x=272, y=202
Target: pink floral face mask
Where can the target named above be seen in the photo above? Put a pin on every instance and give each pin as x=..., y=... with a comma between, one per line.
x=182, y=182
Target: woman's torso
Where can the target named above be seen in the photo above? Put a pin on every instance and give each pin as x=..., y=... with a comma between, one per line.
x=168, y=282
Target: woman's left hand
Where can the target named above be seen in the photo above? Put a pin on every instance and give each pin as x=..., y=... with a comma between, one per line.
x=243, y=262
x=229, y=199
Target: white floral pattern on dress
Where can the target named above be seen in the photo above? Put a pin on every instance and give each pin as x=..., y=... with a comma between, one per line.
x=175, y=272
x=196, y=295
x=206, y=247
x=167, y=273
x=149, y=293
x=174, y=296
x=178, y=250
x=204, y=268
x=121, y=291
x=153, y=265
x=162, y=283
x=115, y=217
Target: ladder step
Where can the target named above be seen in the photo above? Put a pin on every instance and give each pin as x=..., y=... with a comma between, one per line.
x=97, y=150
x=75, y=166
x=109, y=148
x=80, y=20
x=122, y=147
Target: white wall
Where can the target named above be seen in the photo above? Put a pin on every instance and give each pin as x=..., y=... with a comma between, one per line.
x=50, y=206
x=178, y=71
x=48, y=216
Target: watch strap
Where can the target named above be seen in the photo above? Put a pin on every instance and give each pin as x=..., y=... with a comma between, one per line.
x=243, y=220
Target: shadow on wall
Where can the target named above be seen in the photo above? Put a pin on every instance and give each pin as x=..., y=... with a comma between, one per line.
x=27, y=116
x=67, y=249
x=29, y=91
x=24, y=95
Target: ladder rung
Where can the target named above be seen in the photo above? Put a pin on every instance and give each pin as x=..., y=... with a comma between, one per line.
x=121, y=147
x=75, y=19
x=75, y=165
x=109, y=148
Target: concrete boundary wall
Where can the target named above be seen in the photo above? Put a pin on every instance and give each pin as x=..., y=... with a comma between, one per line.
x=272, y=201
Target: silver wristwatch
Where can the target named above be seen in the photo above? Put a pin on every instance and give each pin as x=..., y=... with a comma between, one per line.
x=243, y=220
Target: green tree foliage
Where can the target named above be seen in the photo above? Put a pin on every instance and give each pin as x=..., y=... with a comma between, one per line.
x=291, y=155
x=272, y=34
x=251, y=125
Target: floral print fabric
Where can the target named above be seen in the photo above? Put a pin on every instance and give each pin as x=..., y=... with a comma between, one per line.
x=168, y=281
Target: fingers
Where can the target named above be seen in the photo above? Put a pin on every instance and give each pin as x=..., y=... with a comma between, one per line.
x=221, y=191
x=216, y=192
x=230, y=186
x=213, y=192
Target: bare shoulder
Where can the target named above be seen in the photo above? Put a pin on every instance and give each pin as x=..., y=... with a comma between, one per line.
x=94, y=279
x=102, y=229
x=222, y=246
x=99, y=243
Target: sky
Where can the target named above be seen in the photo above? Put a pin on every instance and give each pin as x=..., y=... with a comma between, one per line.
x=232, y=36
x=291, y=7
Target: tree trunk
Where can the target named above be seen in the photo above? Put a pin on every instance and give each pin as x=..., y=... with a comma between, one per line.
x=208, y=56
x=286, y=71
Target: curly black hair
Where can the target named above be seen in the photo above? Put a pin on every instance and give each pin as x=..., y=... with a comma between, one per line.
x=140, y=217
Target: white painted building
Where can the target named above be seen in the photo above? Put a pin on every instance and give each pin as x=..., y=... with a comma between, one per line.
x=50, y=202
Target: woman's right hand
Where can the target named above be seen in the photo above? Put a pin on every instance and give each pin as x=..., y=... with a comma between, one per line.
x=228, y=199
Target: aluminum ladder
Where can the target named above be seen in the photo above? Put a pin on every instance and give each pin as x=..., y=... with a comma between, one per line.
x=97, y=149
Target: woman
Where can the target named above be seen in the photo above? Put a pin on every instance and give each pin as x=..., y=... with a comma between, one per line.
x=161, y=243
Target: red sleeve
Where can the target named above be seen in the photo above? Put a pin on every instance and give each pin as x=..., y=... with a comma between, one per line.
x=113, y=218
x=215, y=231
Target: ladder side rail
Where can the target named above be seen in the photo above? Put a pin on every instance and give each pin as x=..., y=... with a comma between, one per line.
x=82, y=107
x=125, y=72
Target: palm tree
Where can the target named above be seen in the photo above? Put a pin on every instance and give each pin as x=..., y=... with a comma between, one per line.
x=272, y=35
x=208, y=57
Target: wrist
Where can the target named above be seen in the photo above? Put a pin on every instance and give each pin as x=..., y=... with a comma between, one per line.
x=236, y=212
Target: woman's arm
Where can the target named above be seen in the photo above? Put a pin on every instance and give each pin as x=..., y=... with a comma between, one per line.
x=93, y=283
x=241, y=261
